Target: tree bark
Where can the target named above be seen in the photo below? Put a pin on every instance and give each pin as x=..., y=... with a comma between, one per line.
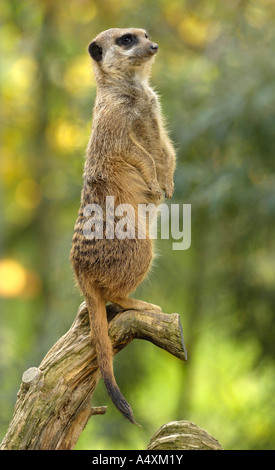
x=53, y=402
x=182, y=435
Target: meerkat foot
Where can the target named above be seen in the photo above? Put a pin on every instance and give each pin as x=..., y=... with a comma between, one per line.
x=169, y=190
x=134, y=304
x=155, y=189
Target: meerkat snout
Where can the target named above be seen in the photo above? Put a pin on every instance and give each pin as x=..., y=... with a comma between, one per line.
x=154, y=48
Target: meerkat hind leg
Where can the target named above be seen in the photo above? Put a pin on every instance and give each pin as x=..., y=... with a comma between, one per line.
x=128, y=303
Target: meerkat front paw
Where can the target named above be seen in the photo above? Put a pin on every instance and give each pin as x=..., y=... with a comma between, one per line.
x=155, y=189
x=169, y=190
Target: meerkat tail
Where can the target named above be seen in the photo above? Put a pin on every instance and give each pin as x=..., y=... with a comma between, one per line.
x=104, y=351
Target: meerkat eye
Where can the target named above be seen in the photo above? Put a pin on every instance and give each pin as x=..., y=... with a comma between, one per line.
x=126, y=40
x=146, y=35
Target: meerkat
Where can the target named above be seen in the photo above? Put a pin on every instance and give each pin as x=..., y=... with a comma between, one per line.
x=130, y=157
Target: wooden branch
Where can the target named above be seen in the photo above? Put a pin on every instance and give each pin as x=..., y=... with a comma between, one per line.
x=53, y=404
x=182, y=435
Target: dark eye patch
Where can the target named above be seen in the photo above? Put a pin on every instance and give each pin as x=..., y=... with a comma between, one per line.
x=95, y=51
x=127, y=40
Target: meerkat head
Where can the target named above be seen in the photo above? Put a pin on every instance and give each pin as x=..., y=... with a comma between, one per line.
x=117, y=52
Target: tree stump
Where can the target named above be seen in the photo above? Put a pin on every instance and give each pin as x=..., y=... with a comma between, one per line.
x=53, y=402
x=182, y=435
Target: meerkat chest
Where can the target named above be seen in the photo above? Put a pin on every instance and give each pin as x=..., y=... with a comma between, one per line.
x=151, y=100
x=147, y=118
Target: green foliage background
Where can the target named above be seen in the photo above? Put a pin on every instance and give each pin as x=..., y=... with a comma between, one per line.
x=215, y=75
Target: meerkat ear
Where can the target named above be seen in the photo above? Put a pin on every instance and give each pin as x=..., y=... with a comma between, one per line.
x=95, y=51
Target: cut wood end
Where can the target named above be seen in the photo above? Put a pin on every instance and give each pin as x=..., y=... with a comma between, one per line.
x=30, y=375
x=98, y=410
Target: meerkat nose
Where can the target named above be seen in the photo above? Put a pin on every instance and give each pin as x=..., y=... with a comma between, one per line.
x=154, y=48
